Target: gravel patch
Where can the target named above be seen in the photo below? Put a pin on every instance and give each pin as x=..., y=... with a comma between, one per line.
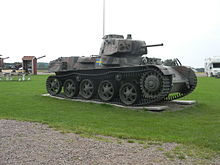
x=35, y=143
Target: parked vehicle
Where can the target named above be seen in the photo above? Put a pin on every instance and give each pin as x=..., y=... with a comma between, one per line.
x=212, y=67
x=120, y=75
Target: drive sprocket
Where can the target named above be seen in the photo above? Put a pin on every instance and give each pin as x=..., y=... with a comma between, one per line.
x=154, y=85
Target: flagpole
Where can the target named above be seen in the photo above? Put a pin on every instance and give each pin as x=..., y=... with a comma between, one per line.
x=103, y=18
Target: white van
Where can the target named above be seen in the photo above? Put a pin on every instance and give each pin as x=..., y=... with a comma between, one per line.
x=212, y=67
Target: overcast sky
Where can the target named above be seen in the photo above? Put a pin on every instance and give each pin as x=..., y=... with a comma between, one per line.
x=189, y=29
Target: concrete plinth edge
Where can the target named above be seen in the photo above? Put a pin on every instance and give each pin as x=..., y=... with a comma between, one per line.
x=184, y=102
x=150, y=108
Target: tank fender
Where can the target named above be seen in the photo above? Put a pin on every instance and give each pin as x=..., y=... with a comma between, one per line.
x=163, y=69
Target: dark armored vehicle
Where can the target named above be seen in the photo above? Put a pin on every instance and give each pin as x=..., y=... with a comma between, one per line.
x=119, y=75
x=2, y=65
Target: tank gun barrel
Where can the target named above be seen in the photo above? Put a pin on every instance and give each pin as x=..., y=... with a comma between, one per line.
x=154, y=45
x=4, y=58
x=41, y=57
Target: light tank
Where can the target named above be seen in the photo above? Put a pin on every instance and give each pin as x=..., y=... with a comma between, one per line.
x=119, y=75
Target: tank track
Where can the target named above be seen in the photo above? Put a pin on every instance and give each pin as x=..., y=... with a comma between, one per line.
x=118, y=78
x=192, y=86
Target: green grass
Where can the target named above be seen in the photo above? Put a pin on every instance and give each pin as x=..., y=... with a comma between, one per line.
x=199, y=125
x=184, y=151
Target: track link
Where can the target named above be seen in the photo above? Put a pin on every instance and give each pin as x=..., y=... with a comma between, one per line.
x=182, y=94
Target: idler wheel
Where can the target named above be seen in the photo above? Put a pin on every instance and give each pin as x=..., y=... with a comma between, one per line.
x=53, y=85
x=128, y=93
x=151, y=84
x=106, y=90
x=87, y=89
x=70, y=88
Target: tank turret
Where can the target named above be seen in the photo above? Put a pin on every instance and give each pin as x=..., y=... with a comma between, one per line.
x=119, y=52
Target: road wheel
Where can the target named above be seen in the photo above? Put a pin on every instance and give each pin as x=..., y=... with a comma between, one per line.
x=70, y=88
x=53, y=85
x=87, y=89
x=128, y=93
x=106, y=90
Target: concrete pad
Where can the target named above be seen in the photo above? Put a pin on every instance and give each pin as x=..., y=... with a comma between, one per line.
x=184, y=102
x=150, y=108
x=157, y=108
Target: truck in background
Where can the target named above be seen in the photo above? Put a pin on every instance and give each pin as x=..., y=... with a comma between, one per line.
x=212, y=67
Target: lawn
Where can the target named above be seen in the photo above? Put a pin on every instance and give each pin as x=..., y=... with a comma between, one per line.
x=199, y=125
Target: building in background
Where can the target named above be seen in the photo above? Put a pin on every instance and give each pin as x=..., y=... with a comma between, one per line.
x=29, y=64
